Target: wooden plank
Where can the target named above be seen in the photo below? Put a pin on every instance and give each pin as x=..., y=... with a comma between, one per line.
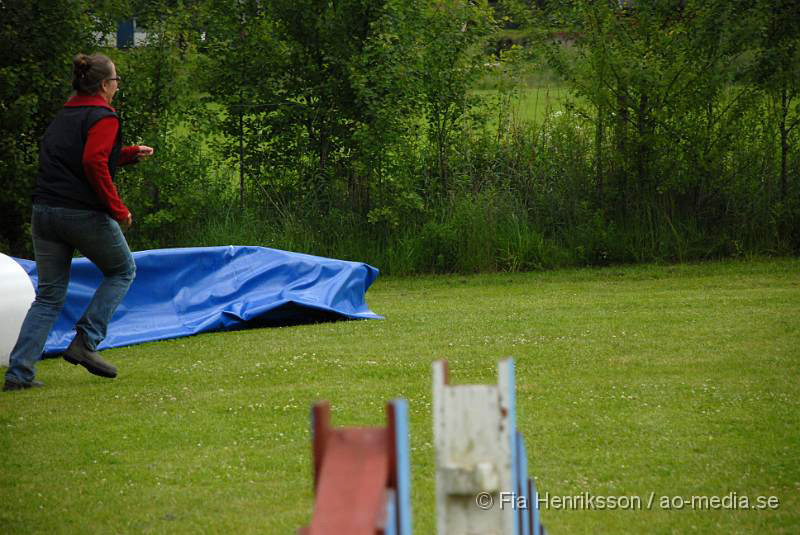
x=473, y=455
x=351, y=489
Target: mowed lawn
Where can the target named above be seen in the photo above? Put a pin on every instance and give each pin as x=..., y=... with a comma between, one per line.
x=649, y=381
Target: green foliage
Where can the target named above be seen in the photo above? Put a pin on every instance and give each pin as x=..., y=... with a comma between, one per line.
x=452, y=60
x=301, y=112
x=172, y=191
x=37, y=43
x=664, y=132
x=777, y=73
x=654, y=77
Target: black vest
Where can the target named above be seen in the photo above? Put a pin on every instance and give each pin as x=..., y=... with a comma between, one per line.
x=61, y=180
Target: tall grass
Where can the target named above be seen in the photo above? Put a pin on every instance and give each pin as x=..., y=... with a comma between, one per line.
x=525, y=191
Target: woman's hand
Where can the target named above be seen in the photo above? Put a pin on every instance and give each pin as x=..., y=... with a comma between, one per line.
x=144, y=152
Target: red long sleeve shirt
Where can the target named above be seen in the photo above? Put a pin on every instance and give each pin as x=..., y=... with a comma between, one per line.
x=99, y=143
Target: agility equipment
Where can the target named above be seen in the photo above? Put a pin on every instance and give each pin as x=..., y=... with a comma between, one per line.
x=362, y=476
x=185, y=291
x=16, y=296
x=482, y=483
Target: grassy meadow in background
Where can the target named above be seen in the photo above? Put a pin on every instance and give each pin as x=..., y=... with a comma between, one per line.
x=666, y=380
x=531, y=104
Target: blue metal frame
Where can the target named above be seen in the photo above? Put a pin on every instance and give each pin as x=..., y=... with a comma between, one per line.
x=402, y=456
x=512, y=428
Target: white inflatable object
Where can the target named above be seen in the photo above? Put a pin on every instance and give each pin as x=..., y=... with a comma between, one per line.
x=16, y=296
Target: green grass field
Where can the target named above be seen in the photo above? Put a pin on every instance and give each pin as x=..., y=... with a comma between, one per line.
x=532, y=105
x=631, y=381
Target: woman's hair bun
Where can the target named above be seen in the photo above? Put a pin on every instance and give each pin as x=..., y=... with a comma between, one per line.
x=81, y=65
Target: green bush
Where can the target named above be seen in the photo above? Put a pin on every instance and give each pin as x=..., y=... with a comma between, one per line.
x=675, y=138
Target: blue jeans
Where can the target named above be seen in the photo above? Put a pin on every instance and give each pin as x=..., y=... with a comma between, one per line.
x=57, y=232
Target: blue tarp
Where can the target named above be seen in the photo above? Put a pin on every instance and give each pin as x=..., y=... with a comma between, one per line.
x=180, y=292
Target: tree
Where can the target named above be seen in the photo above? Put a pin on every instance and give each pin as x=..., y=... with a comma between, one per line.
x=452, y=59
x=337, y=86
x=283, y=70
x=35, y=75
x=777, y=71
x=659, y=76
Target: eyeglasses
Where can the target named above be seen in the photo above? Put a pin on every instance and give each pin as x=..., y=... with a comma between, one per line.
x=117, y=78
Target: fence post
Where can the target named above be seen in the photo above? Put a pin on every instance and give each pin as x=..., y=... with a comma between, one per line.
x=482, y=484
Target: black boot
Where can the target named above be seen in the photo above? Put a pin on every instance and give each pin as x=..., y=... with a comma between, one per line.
x=78, y=353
